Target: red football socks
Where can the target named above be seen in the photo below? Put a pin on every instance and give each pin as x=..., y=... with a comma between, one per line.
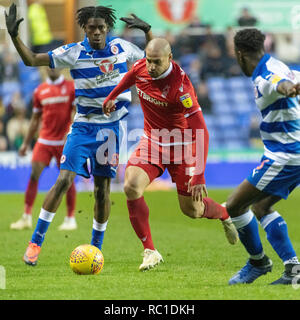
x=71, y=200
x=30, y=195
x=214, y=210
x=139, y=218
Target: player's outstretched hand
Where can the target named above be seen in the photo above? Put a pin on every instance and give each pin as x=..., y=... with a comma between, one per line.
x=136, y=22
x=12, y=23
x=197, y=191
x=108, y=107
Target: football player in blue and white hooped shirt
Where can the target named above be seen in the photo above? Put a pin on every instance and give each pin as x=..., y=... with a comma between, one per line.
x=276, y=90
x=97, y=65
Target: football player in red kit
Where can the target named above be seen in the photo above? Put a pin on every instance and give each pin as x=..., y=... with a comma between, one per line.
x=53, y=105
x=170, y=110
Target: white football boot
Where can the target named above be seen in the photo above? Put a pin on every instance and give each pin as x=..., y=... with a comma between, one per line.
x=68, y=224
x=151, y=259
x=24, y=223
x=230, y=229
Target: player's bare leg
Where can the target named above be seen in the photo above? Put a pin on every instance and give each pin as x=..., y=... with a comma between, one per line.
x=101, y=209
x=69, y=222
x=102, y=198
x=264, y=207
x=211, y=210
x=242, y=198
x=56, y=193
x=47, y=213
x=136, y=181
x=31, y=191
x=36, y=170
x=274, y=225
x=191, y=208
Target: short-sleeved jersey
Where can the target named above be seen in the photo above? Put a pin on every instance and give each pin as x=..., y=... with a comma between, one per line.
x=280, y=127
x=56, y=101
x=167, y=101
x=96, y=73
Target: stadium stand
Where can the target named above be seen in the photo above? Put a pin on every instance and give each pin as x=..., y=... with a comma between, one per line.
x=226, y=97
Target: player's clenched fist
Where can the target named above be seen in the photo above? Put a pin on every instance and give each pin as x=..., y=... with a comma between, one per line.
x=108, y=107
x=12, y=23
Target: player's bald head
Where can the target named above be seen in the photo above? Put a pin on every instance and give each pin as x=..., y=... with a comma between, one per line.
x=158, y=47
x=158, y=57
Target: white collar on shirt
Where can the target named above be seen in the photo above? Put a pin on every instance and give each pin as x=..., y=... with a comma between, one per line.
x=59, y=80
x=166, y=73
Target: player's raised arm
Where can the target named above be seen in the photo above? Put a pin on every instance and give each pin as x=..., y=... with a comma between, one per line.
x=138, y=23
x=29, y=58
x=127, y=81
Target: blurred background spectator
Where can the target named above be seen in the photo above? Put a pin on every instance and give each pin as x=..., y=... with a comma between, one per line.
x=3, y=138
x=196, y=23
x=18, y=124
x=40, y=33
x=254, y=133
x=41, y=37
x=213, y=62
x=287, y=50
x=30, y=78
x=246, y=19
x=9, y=76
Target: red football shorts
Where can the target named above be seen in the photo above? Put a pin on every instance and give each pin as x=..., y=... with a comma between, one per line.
x=44, y=153
x=154, y=159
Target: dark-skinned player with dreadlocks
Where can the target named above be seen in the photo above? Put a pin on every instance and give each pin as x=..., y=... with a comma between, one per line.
x=97, y=64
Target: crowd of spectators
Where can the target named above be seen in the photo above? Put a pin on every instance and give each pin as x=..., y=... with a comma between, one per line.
x=200, y=51
x=17, y=83
x=203, y=53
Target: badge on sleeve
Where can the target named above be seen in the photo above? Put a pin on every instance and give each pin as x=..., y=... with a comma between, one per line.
x=186, y=100
x=275, y=78
x=59, y=51
x=114, y=49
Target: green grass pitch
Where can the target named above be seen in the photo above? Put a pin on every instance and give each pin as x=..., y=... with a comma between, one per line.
x=198, y=259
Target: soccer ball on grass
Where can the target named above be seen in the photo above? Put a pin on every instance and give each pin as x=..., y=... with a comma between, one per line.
x=86, y=259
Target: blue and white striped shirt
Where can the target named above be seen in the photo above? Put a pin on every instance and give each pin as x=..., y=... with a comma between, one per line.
x=96, y=73
x=280, y=127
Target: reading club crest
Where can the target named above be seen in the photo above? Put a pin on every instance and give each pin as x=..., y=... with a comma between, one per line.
x=114, y=49
x=106, y=65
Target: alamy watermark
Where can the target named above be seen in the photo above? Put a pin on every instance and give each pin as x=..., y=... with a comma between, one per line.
x=160, y=146
x=296, y=278
x=2, y=278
